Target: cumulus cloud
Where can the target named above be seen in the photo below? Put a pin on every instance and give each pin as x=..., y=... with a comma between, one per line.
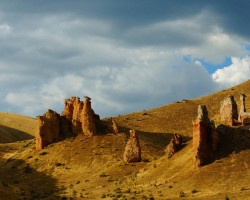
x=123, y=65
x=237, y=72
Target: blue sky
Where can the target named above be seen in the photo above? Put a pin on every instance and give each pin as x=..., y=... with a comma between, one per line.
x=126, y=55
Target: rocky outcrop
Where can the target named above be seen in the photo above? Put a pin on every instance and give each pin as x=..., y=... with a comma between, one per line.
x=76, y=118
x=48, y=129
x=80, y=116
x=72, y=113
x=174, y=145
x=87, y=118
x=229, y=111
x=205, y=138
x=132, y=151
x=115, y=126
x=244, y=117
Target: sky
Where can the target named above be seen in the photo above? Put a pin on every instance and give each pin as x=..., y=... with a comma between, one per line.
x=126, y=55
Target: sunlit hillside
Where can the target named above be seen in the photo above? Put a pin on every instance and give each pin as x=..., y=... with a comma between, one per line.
x=93, y=168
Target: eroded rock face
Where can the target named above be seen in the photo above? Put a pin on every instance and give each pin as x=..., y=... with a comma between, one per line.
x=205, y=138
x=72, y=113
x=229, y=111
x=87, y=118
x=174, y=145
x=48, y=129
x=132, y=151
x=80, y=115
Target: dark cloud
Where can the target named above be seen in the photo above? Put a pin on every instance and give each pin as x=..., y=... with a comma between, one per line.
x=126, y=55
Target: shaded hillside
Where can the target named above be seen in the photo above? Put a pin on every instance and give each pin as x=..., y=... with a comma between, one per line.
x=15, y=127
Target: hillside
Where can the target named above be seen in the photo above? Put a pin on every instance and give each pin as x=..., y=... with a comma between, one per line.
x=14, y=127
x=93, y=168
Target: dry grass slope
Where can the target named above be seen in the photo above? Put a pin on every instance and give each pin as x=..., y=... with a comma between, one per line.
x=92, y=168
x=14, y=127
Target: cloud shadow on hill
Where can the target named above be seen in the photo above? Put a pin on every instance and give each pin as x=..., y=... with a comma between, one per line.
x=8, y=134
x=18, y=180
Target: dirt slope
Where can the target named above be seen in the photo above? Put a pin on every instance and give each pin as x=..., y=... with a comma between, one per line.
x=14, y=127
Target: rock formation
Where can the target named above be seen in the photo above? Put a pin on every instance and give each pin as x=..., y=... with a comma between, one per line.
x=174, y=145
x=76, y=118
x=244, y=117
x=132, y=151
x=72, y=113
x=228, y=111
x=80, y=116
x=115, y=126
x=48, y=129
x=87, y=118
x=205, y=138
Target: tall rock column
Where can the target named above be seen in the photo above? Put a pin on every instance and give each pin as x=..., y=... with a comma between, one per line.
x=205, y=137
x=132, y=151
x=229, y=111
x=76, y=118
x=72, y=113
x=87, y=118
x=244, y=117
x=48, y=128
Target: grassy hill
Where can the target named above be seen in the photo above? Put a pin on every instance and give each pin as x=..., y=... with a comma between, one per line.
x=14, y=127
x=93, y=168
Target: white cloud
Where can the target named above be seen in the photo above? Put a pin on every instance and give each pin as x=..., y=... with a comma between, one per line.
x=237, y=72
x=54, y=57
x=5, y=30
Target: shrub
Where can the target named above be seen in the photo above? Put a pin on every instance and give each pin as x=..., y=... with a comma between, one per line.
x=181, y=194
x=194, y=191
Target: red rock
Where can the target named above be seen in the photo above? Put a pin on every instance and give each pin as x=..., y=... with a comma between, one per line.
x=174, y=145
x=115, y=126
x=87, y=118
x=132, y=151
x=244, y=117
x=72, y=113
x=205, y=138
x=228, y=111
x=48, y=128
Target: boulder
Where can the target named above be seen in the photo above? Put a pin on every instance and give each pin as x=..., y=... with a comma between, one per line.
x=229, y=111
x=48, y=128
x=205, y=138
x=132, y=151
x=174, y=145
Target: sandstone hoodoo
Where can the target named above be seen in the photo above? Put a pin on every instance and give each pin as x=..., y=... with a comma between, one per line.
x=48, y=129
x=76, y=118
x=205, y=138
x=229, y=111
x=244, y=117
x=87, y=118
x=174, y=145
x=132, y=151
x=115, y=126
x=72, y=113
